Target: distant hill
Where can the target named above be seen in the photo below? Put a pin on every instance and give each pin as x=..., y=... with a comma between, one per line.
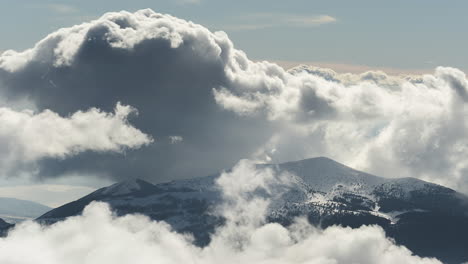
x=15, y=210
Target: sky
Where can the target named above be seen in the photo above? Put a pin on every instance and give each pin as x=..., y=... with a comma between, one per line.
x=396, y=36
x=142, y=94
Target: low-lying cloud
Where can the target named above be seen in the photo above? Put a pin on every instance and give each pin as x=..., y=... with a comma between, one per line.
x=193, y=83
x=98, y=236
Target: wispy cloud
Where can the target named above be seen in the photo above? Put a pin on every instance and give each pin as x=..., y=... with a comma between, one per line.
x=310, y=21
x=188, y=2
x=344, y=67
x=268, y=20
x=62, y=8
x=245, y=27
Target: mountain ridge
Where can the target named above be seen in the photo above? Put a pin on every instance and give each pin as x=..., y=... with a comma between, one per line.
x=325, y=191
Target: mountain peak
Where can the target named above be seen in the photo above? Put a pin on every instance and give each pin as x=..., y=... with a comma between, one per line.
x=128, y=187
x=323, y=174
x=317, y=161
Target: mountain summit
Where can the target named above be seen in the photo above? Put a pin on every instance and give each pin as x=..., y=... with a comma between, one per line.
x=325, y=191
x=136, y=187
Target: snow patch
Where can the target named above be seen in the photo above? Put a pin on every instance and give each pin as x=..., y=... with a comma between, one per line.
x=122, y=188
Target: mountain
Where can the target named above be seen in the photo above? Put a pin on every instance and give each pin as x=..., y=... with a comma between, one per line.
x=3, y=224
x=184, y=204
x=429, y=219
x=15, y=210
x=4, y=227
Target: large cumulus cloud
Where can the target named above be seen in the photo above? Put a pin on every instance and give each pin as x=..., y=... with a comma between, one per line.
x=163, y=66
x=190, y=83
x=245, y=237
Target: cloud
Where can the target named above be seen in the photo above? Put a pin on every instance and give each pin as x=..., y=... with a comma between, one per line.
x=176, y=139
x=310, y=20
x=392, y=126
x=188, y=2
x=245, y=238
x=26, y=137
x=193, y=83
x=377, y=77
x=163, y=66
x=62, y=8
x=342, y=67
x=268, y=20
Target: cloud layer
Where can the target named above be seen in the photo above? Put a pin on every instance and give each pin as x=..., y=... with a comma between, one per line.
x=245, y=238
x=193, y=83
x=392, y=126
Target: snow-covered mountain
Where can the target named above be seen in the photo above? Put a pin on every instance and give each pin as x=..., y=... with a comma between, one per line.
x=16, y=210
x=429, y=219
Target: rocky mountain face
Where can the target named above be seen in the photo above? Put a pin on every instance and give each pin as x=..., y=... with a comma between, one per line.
x=429, y=219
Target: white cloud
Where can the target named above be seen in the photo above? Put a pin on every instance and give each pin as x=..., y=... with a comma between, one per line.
x=98, y=237
x=343, y=67
x=392, y=126
x=26, y=136
x=166, y=70
x=188, y=2
x=62, y=8
x=267, y=20
x=310, y=20
x=176, y=139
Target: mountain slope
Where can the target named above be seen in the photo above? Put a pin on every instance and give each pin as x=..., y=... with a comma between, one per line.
x=428, y=218
x=4, y=227
x=3, y=224
x=183, y=204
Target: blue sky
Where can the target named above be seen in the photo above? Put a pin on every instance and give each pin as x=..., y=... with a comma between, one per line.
x=406, y=35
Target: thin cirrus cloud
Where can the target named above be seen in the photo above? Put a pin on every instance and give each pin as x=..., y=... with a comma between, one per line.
x=310, y=21
x=62, y=8
x=268, y=20
x=188, y=2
